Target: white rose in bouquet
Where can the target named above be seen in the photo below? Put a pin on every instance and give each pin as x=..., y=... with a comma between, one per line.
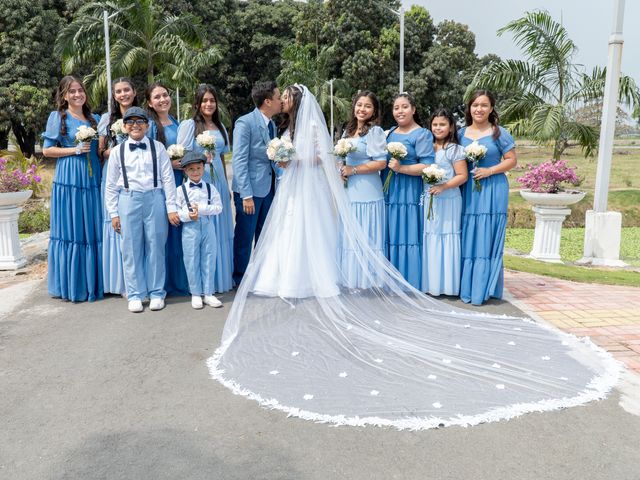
x=86, y=134
x=398, y=151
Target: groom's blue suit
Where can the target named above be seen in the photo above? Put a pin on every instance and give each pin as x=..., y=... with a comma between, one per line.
x=252, y=178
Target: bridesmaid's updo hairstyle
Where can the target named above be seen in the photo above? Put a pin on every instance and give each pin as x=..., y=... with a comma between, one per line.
x=295, y=94
x=453, y=127
x=160, y=136
x=116, y=113
x=352, y=125
x=61, y=103
x=412, y=102
x=199, y=120
x=494, y=119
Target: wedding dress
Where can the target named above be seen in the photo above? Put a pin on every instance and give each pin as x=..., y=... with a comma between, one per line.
x=297, y=340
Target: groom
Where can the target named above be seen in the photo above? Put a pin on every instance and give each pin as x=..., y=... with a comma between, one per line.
x=253, y=176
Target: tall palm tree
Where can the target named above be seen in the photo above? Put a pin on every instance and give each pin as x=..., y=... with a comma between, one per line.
x=144, y=40
x=304, y=64
x=546, y=89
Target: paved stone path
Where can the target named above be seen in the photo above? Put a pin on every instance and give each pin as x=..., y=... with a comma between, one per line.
x=609, y=314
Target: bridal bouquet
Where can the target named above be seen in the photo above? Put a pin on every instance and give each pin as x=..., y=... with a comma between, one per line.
x=432, y=175
x=208, y=143
x=398, y=151
x=280, y=150
x=474, y=153
x=175, y=151
x=86, y=134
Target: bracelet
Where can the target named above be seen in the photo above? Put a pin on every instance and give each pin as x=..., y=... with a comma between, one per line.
x=491, y=171
x=354, y=170
x=78, y=149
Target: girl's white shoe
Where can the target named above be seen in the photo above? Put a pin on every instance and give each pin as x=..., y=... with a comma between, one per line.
x=212, y=301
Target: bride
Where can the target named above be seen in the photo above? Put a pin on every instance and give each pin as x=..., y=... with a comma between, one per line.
x=298, y=340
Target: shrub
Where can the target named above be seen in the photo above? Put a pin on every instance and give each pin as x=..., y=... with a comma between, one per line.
x=34, y=218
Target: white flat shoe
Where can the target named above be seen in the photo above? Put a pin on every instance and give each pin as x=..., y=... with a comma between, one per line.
x=212, y=301
x=156, y=304
x=196, y=302
x=135, y=306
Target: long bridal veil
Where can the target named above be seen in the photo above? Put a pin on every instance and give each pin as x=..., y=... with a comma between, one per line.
x=300, y=338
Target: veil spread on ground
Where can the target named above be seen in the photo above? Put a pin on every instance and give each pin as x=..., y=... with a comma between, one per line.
x=299, y=338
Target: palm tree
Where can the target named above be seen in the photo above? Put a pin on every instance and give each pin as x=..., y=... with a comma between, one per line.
x=301, y=64
x=144, y=40
x=545, y=91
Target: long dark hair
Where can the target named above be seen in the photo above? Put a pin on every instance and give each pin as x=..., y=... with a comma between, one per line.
x=453, y=128
x=62, y=104
x=352, y=124
x=412, y=102
x=116, y=111
x=197, y=115
x=160, y=136
x=296, y=97
x=494, y=118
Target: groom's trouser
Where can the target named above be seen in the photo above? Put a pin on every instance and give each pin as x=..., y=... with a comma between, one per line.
x=248, y=228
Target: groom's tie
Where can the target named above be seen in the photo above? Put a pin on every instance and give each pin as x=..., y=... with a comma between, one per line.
x=272, y=130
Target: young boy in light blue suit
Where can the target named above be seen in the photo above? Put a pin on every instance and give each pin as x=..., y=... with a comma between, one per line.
x=253, y=174
x=140, y=194
x=198, y=201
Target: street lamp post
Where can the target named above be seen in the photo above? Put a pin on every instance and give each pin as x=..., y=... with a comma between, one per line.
x=107, y=53
x=401, y=14
x=602, y=228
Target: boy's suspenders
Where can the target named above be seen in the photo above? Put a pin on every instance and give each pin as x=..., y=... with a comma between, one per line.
x=186, y=196
x=154, y=160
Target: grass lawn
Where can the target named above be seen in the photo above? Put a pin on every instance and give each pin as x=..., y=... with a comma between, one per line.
x=572, y=243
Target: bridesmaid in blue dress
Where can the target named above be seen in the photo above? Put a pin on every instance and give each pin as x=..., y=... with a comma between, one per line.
x=364, y=187
x=163, y=127
x=484, y=212
x=123, y=96
x=404, y=212
x=75, y=242
x=441, y=240
x=206, y=118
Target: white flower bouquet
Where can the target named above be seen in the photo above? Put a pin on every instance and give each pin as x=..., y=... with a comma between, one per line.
x=432, y=175
x=208, y=143
x=343, y=148
x=280, y=150
x=474, y=153
x=117, y=128
x=398, y=151
x=86, y=134
x=175, y=151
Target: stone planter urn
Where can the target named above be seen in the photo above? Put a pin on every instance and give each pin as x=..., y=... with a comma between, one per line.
x=550, y=209
x=11, y=256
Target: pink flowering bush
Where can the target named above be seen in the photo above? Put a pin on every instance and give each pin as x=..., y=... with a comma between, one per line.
x=15, y=177
x=549, y=176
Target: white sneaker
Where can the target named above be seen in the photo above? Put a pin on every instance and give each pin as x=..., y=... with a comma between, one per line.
x=135, y=306
x=156, y=304
x=196, y=302
x=212, y=301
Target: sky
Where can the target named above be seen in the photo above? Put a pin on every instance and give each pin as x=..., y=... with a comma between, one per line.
x=588, y=22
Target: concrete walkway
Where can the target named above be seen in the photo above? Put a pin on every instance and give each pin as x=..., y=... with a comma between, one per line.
x=90, y=391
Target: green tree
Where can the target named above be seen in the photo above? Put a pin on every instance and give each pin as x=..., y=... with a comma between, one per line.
x=144, y=39
x=27, y=69
x=301, y=64
x=549, y=84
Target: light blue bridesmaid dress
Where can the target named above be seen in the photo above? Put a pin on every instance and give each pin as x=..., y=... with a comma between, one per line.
x=112, y=270
x=223, y=222
x=484, y=224
x=176, y=282
x=75, y=241
x=367, y=205
x=441, y=240
x=403, y=246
